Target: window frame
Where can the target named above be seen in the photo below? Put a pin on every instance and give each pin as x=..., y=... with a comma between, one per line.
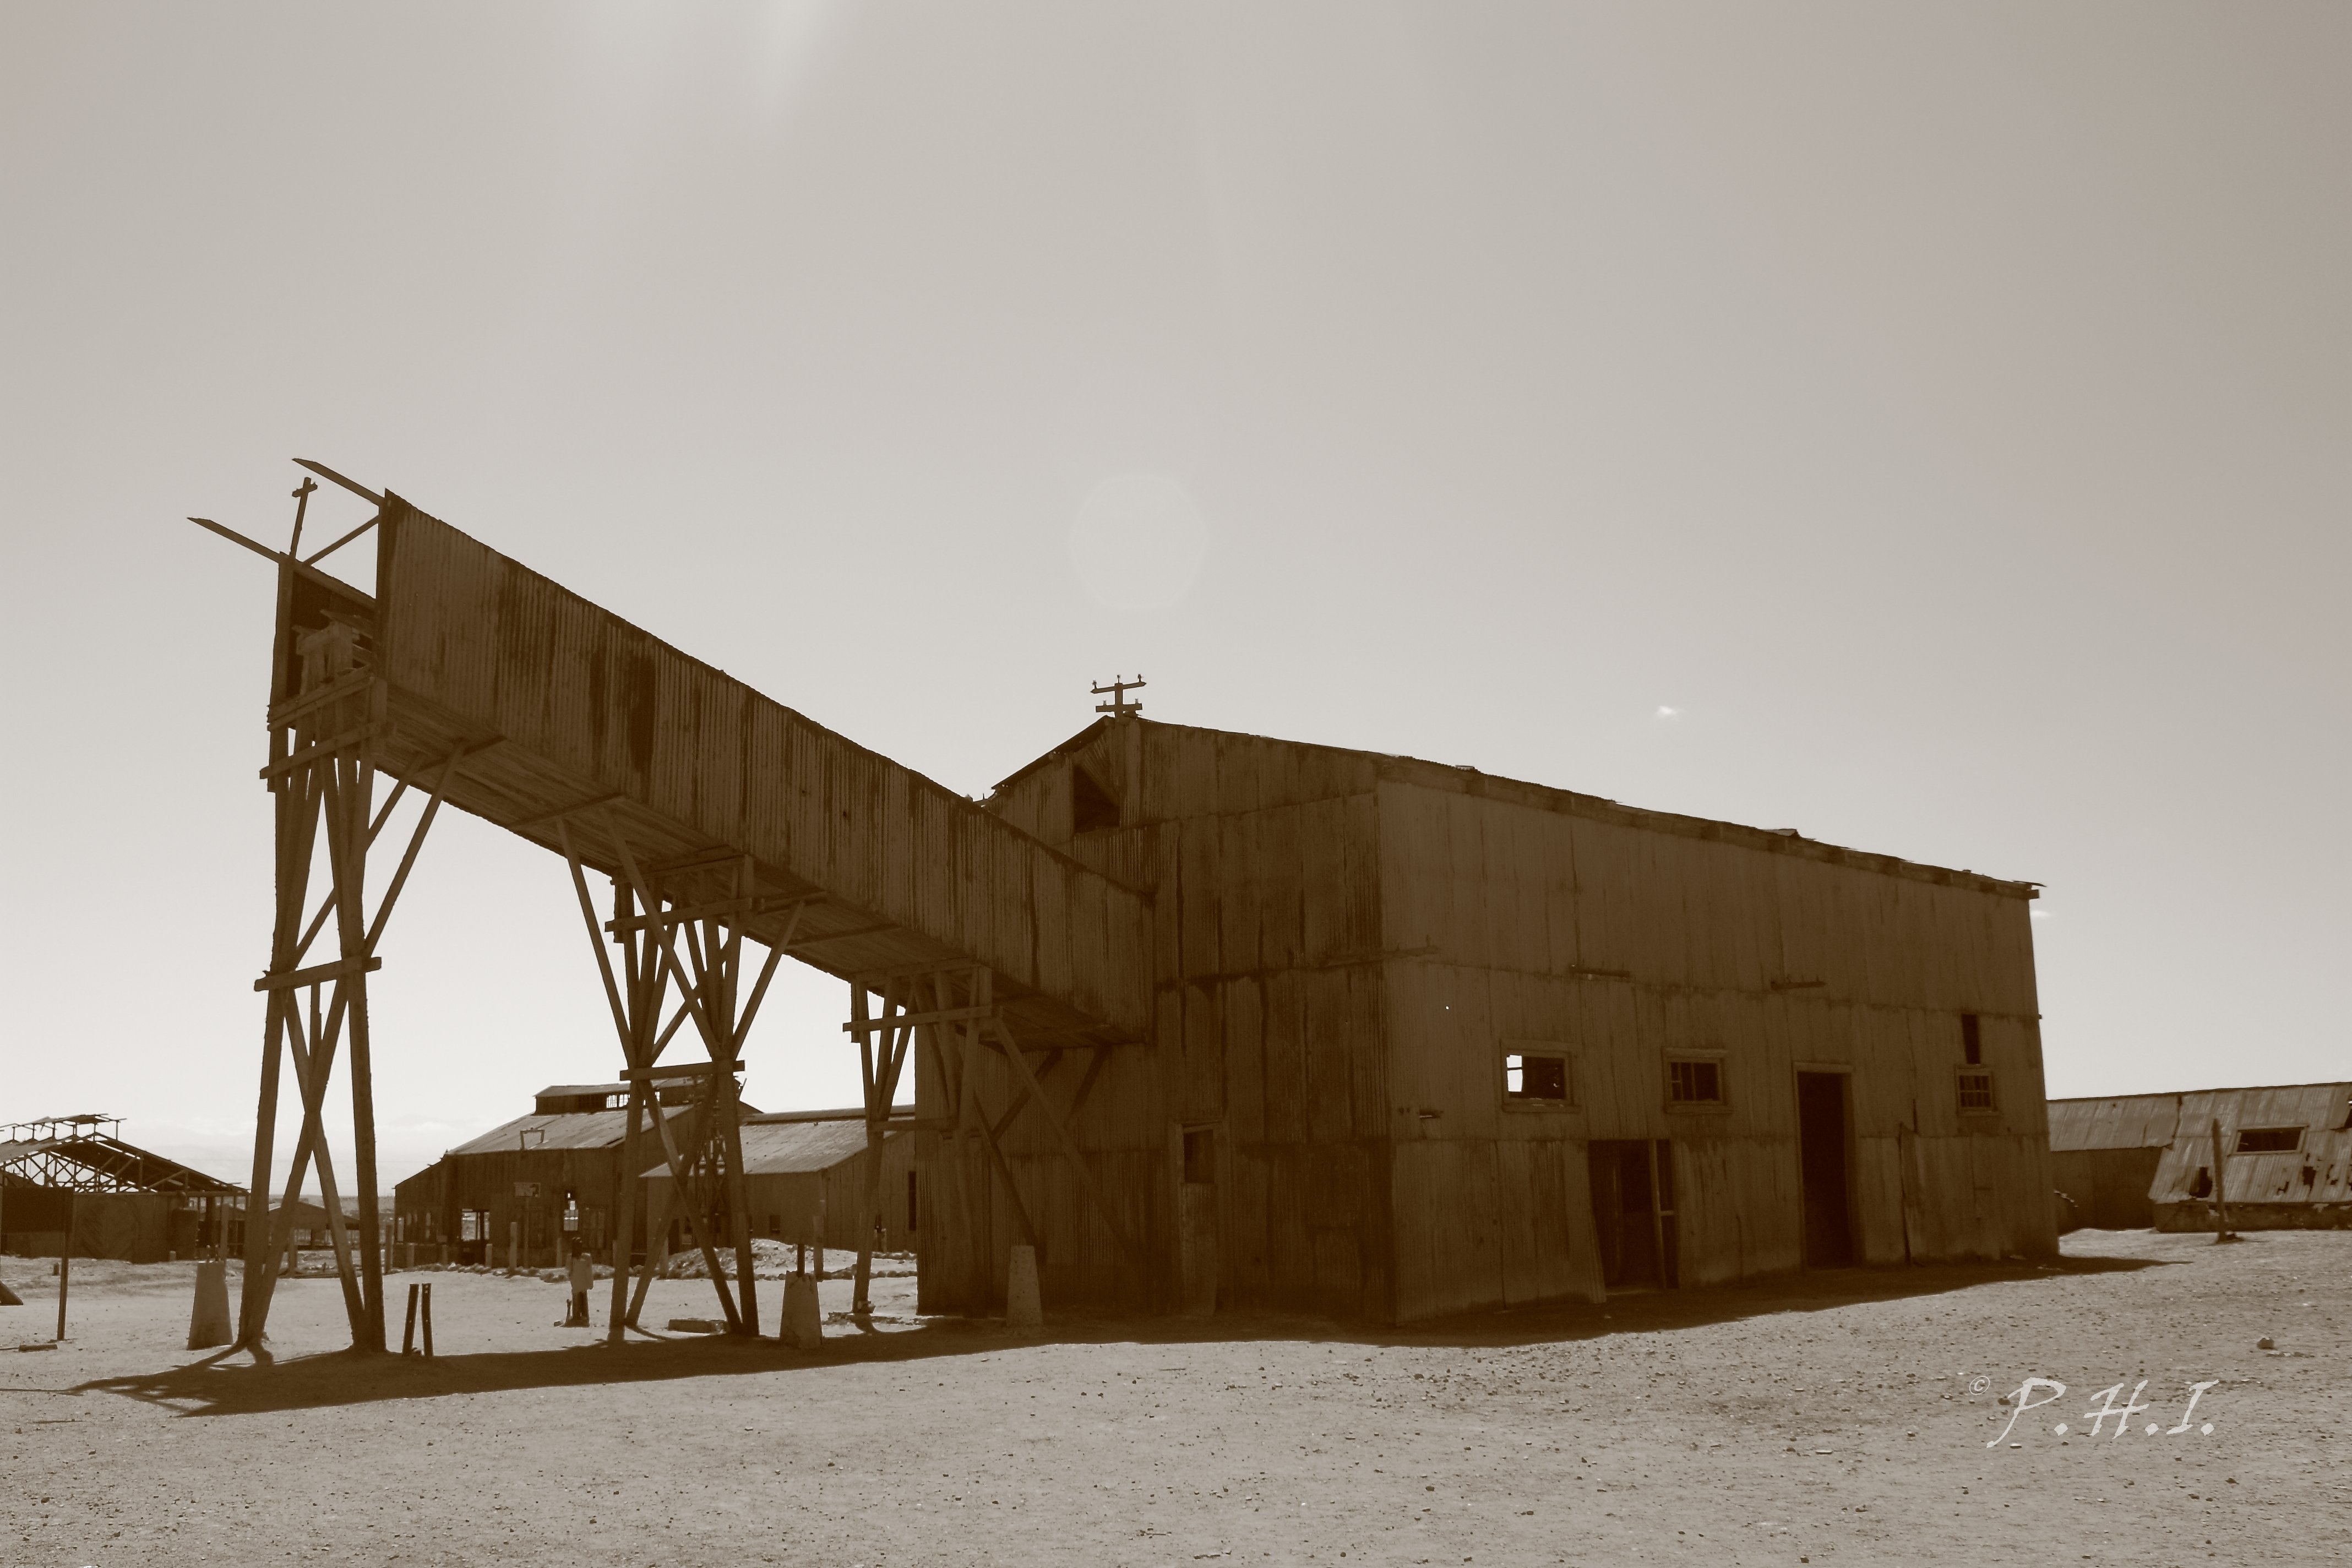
x=1992, y=1091
x=1534, y=1104
x=1720, y=1105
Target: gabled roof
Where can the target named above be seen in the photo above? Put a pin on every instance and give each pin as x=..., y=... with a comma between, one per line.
x=567, y=1130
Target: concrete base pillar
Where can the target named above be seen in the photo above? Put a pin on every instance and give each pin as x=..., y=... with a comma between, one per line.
x=804, y=1323
x=1022, y=1311
x=208, y=1323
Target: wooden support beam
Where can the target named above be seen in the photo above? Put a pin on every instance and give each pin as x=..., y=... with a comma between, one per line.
x=901, y=1118
x=317, y=556
x=325, y=472
x=318, y=973
x=325, y=750
x=293, y=708
x=864, y=1027
x=1069, y=1143
x=717, y=909
x=289, y=564
x=408, y=856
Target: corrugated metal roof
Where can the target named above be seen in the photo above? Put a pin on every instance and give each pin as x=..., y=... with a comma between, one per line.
x=576, y=1130
x=2118, y=1121
x=565, y=1130
x=786, y=1148
x=573, y=1088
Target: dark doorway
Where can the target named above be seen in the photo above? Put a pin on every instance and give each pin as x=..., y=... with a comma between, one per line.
x=1821, y=1153
x=1633, y=1210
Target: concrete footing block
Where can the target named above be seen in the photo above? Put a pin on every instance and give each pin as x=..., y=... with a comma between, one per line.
x=804, y=1324
x=208, y=1323
x=1022, y=1313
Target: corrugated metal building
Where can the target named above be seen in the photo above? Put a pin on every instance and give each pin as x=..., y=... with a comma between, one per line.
x=2287, y=1154
x=1330, y=1029
x=514, y=1184
x=1429, y=1040
x=2103, y=1152
x=806, y=1173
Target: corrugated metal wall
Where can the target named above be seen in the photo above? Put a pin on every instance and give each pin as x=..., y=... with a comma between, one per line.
x=1345, y=941
x=1624, y=942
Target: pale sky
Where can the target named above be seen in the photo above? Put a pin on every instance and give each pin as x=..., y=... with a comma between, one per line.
x=1922, y=426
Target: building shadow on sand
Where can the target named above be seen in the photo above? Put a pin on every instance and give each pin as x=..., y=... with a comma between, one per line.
x=228, y=1384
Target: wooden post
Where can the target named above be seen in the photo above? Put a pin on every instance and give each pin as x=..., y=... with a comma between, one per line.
x=295, y=809
x=881, y=1074
x=351, y=925
x=1657, y=1218
x=727, y=960
x=2222, y=1231
x=65, y=1258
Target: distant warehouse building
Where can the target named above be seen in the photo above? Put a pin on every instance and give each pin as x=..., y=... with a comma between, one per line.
x=805, y=1177
x=516, y=1186
x=2129, y=1161
x=62, y=1173
x=2103, y=1152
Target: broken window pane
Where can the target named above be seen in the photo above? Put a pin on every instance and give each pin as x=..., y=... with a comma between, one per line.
x=1527, y=1077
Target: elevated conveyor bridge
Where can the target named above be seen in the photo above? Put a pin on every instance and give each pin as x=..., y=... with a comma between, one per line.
x=719, y=815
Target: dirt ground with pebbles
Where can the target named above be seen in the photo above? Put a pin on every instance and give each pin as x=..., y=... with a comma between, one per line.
x=1838, y=1417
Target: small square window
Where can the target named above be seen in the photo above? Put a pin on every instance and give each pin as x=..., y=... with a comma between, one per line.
x=1696, y=1080
x=1533, y=1076
x=1975, y=1089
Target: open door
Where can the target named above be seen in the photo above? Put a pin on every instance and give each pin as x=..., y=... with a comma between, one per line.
x=1633, y=1210
x=1823, y=1155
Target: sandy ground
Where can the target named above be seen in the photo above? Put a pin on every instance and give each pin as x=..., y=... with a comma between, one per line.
x=1834, y=1418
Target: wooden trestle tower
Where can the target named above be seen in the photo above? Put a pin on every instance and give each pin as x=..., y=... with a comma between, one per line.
x=718, y=817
